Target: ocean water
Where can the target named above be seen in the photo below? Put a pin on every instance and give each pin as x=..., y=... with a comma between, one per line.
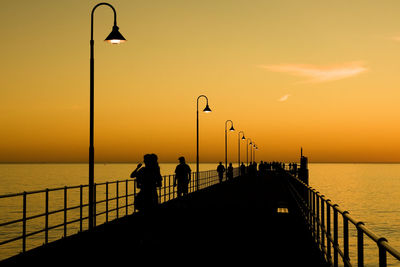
x=370, y=192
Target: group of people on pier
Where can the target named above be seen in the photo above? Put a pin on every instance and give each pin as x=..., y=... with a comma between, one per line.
x=148, y=177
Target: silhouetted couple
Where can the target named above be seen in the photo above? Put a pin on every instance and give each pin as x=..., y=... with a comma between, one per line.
x=148, y=178
x=221, y=169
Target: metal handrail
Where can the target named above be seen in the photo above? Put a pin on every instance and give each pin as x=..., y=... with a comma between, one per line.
x=312, y=206
x=166, y=192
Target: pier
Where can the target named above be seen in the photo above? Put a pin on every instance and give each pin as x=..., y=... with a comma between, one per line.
x=272, y=217
x=248, y=219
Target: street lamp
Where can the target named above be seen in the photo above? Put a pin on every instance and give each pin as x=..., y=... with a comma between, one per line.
x=206, y=110
x=251, y=152
x=226, y=142
x=243, y=138
x=254, y=152
x=247, y=151
x=115, y=37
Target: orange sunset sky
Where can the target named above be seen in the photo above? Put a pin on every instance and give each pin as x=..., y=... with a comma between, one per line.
x=322, y=75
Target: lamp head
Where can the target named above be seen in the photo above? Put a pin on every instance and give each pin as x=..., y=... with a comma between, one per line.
x=251, y=143
x=243, y=138
x=232, y=129
x=207, y=109
x=115, y=37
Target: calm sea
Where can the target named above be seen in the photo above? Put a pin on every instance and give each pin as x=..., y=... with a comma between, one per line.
x=370, y=192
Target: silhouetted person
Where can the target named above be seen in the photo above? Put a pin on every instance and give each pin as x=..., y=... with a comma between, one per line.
x=252, y=170
x=242, y=169
x=148, y=178
x=229, y=173
x=182, y=176
x=220, y=170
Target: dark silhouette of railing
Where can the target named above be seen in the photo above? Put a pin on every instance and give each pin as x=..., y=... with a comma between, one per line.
x=165, y=193
x=320, y=213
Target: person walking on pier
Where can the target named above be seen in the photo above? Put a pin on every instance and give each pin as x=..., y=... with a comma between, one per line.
x=229, y=173
x=220, y=170
x=182, y=176
x=148, y=178
x=242, y=169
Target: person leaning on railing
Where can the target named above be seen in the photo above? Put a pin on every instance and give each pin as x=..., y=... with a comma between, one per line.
x=148, y=178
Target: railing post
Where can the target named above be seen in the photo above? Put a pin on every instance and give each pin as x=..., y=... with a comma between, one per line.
x=159, y=194
x=346, y=238
x=169, y=187
x=106, y=201
x=80, y=207
x=173, y=188
x=24, y=222
x=134, y=196
x=318, y=220
x=314, y=215
x=126, y=197
x=310, y=203
x=382, y=252
x=165, y=189
x=65, y=211
x=46, y=218
x=335, y=237
x=117, y=199
x=360, y=245
x=328, y=231
x=94, y=204
x=323, y=224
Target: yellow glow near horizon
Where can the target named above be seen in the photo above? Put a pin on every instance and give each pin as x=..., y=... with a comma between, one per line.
x=319, y=75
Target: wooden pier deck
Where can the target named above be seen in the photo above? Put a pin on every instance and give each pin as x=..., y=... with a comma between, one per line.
x=231, y=223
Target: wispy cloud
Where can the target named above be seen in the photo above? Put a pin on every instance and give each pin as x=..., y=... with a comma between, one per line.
x=284, y=98
x=320, y=73
x=395, y=38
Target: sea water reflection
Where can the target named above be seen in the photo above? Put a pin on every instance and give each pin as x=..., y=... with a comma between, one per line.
x=371, y=193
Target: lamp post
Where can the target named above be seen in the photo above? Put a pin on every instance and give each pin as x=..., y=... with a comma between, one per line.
x=226, y=142
x=243, y=138
x=251, y=152
x=254, y=152
x=115, y=37
x=247, y=151
x=206, y=110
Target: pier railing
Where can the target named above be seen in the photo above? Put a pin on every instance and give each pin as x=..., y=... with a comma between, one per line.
x=321, y=215
x=70, y=215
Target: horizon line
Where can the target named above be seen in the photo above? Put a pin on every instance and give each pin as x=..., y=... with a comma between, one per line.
x=135, y=162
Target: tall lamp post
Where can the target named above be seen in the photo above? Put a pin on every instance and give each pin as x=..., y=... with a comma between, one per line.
x=247, y=150
x=243, y=138
x=251, y=152
x=226, y=142
x=252, y=146
x=206, y=110
x=254, y=152
x=115, y=37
